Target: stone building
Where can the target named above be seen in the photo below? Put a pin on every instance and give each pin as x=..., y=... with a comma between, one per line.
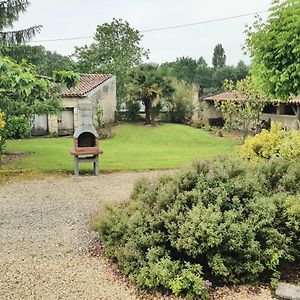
x=288, y=114
x=99, y=89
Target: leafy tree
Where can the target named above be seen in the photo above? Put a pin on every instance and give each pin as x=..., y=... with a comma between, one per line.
x=275, y=49
x=149, y=85
x=185, y=68
x=24, y=93
x=9, y=13
x=219, y=57
x=183, y=104
x=204, y=79
x=242, y=70
x=46, y=62
x=242, y=115
x=115, y=50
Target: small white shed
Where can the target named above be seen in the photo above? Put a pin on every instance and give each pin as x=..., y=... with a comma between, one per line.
x=100, y=89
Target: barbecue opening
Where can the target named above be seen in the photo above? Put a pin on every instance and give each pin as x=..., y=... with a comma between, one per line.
x=86, y=139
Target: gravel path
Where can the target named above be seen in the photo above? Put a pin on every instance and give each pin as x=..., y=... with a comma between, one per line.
x=45, y=234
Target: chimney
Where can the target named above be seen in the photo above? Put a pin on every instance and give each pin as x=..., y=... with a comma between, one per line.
x=85, y=111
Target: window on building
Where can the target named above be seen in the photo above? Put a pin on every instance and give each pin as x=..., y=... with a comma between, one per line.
x=270, y=109
x=289, y=109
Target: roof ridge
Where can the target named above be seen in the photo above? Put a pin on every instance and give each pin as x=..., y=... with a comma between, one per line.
x=87, y=83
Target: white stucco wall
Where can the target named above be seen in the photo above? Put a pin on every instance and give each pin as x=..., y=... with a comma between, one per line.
x=103, y=95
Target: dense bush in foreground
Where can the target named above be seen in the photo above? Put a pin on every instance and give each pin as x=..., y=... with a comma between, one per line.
x=223, y=221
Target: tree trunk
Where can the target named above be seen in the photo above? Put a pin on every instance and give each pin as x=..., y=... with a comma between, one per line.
x=152, y=115
x=147, y=111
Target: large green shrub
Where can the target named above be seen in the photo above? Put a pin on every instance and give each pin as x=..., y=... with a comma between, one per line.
x=133, y=111
x=183, y=105
x=268, y=144
x=225, y=221
x=17, y=127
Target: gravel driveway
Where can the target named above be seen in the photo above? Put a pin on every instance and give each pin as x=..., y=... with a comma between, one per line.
x=45, y=234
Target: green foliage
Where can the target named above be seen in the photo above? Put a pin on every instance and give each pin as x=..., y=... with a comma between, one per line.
x=208, y=80
x=274, y=47
x=219, y=57
x=268, y=144
x=9, y=13
x=225, y=220
x=17, y=127
x=68, y=78
x=45, y=61
x=183, y=103
x=243, y=114
x=133, y=111
x=115, y=50
x=99, y=116
x=149, y=85
x=24, y=94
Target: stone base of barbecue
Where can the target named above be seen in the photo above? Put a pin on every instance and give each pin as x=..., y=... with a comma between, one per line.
x=85, y=159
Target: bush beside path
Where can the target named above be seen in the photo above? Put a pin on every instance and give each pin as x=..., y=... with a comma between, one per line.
x=45, y=235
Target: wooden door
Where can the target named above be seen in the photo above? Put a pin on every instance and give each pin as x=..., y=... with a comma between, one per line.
x=39, y=125
x=65, y=120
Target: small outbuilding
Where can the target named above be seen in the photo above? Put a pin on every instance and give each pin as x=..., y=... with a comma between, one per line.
x=288, y=113
x=99, y=89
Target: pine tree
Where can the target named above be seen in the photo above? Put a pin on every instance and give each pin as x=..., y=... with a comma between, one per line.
x=219, y=57
x=9, y=13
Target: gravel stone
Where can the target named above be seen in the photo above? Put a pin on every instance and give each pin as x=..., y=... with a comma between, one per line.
x=45, y=236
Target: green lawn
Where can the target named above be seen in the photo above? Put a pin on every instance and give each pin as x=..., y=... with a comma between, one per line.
x=134, y=147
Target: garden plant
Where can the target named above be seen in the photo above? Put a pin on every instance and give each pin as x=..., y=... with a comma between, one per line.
x=222, y=221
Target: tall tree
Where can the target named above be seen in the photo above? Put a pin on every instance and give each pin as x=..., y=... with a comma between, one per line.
x=149, y=85
x=185, y=68
x=275, y=49
x=9, y=13
x=24, y=93
x=219, y=57
x=115, y=50
x=46, y=62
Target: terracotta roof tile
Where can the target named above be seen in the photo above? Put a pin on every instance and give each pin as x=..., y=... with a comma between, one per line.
x=227, y=96
x=87, y=83
x=237, y=96
x=295, y=100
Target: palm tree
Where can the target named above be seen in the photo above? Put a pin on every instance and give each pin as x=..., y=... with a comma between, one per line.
x=147, y=84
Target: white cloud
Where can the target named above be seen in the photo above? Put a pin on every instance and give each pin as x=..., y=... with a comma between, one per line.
x=73, y=18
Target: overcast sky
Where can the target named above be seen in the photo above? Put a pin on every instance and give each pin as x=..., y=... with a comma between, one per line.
x=77, y=18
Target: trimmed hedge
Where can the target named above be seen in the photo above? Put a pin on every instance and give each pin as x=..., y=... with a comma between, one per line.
x=223, y=221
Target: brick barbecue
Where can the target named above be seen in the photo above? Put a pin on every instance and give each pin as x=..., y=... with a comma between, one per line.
x=86, y=140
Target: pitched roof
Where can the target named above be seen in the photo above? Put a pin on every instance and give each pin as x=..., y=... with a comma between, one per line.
x=87, y=83
x=237, y=96
x=295, y=100
x=227, y=96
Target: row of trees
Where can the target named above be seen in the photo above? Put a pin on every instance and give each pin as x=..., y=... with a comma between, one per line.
x=116, y=49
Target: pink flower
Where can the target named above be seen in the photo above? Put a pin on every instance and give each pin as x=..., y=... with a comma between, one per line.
x=208, y=283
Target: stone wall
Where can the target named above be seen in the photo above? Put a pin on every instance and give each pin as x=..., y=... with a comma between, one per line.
x=104, y=96
x=209, y=112
x=287, y=121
